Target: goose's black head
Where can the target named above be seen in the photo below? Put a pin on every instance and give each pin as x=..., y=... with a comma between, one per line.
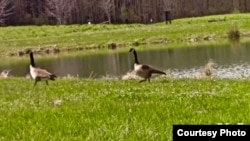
x=28, y=51
x=131, y=50
x=135, y=55
x=32, y=62
x=31, y=55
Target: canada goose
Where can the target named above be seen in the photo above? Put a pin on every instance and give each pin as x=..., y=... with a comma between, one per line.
x=39, y=74
x=143, y=70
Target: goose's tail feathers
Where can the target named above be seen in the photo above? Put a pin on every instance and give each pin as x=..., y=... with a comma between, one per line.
x=158, y=71
x=52, y=77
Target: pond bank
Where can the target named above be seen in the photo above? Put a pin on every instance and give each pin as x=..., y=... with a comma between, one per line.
x=67, y=38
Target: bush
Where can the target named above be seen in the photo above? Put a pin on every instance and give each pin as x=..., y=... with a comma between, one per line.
x=234, y=33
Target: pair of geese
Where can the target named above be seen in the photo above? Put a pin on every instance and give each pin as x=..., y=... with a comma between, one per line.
x=142, y=70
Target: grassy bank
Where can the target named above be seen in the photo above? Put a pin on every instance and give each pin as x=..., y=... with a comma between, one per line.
x=82, y=109
x=83, y=37
x=96, y=110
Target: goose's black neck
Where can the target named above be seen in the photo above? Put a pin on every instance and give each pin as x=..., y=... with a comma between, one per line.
x=135, y=55
x=32, y=62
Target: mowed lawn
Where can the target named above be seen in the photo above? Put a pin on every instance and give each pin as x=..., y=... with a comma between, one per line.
x=92, y=109
x=80, y=109
x=81, y=36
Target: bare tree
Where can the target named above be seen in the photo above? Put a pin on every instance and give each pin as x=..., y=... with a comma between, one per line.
x=108, y=7
x=21, y=12
x=59, y=9
x=236, y=5
x=168, y=4
x=6, y=9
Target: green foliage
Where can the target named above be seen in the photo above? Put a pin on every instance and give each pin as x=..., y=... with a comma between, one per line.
x=82, y=109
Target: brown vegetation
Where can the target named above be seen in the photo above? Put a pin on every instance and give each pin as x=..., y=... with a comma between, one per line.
x=36, y=12
x=6, y=9
x=234, y=33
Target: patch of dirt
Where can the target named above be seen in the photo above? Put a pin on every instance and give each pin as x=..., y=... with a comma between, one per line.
x=40, y=50
x=52, y=50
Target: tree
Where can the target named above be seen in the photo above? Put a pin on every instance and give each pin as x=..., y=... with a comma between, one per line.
x=107, y=6
x=168, y=4
x=6, y=9
x=59, y=9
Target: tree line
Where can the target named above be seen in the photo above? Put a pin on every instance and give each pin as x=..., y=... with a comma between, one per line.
x=38, y=12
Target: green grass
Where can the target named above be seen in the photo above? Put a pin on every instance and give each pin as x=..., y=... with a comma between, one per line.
x=181, y=31
x=97, y=110
x=117, y=110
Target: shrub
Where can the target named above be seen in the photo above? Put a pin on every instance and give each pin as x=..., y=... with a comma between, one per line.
x=234, y=33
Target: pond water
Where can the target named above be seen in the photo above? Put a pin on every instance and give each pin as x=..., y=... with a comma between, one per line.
x=233, y=62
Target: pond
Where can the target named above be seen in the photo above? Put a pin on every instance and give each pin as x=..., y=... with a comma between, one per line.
x=233, y=62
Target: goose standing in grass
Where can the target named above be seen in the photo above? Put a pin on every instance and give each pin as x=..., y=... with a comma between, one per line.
x=39, y=74
x=143, y=70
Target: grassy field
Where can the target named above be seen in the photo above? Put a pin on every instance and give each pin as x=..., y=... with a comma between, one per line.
x=99, y=110
x=91, y=110
x=181, y=31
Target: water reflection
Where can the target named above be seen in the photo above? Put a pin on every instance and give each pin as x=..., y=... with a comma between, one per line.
x=180, y=60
